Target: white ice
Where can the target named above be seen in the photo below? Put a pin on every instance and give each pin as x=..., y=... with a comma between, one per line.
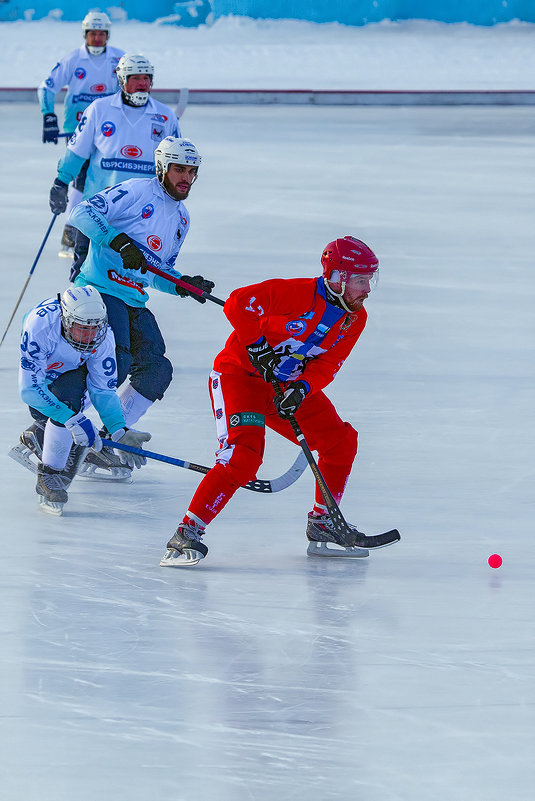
x=262, y=673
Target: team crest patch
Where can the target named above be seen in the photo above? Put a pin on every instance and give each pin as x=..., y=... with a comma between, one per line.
x=246, y=419
x=296, y=326
x=108, y=128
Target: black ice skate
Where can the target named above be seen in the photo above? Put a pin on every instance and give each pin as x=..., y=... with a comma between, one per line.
x=185, y=548
x=325, y=541
x=51, y=489
x=104, y=465
x=30, y=448
x=66, y=250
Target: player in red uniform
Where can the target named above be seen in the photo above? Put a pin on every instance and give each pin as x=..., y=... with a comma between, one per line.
x=298, y=331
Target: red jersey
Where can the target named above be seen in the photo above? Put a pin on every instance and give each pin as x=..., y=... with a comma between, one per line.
x=311, y=336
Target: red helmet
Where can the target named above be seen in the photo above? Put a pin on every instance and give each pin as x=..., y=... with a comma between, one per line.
x=349, y=255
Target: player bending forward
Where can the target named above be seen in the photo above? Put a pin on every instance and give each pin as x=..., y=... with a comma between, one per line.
x=67, y=348
x=298, y=332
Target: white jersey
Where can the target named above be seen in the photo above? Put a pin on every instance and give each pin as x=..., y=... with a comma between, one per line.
x=46, y=354
x=119, y=140
x=86, y=77
x=156, y=224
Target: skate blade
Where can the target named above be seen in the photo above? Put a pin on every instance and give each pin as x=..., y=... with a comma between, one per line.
x=50, y=507
x=174, y=558
x=330, y=550
x=23, y=455
x=66, y=253
x=95, y=473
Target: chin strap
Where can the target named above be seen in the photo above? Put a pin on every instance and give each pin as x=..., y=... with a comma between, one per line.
x=338, y=298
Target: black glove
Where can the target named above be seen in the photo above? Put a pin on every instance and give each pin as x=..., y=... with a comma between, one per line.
x=50, y=128
x=58, y=197
x=264, y=359
x=133, y=258
x=291, y=399
x=197, y=281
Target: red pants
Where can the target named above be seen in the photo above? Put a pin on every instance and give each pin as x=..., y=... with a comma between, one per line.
x=240, y=404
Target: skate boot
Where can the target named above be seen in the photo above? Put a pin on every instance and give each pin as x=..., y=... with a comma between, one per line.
x=104, y=465
x=66, y=250
x=30, y=445
x=185, y=548
x=323, y=540
x=51, y=489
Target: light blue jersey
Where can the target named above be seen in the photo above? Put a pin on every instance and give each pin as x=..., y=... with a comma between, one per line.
x=45, y=354
x=119, y=140
x=86, y=77
x=156, y=224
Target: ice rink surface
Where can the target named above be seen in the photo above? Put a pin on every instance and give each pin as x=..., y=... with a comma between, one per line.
x=262, y=673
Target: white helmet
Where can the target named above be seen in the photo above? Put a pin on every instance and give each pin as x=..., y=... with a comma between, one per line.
x=84, y=317
x=96, y=21
x=175, y=151
x=134, y=65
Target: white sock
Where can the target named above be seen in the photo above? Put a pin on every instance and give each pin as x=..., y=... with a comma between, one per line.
x=56, y=445
x=133, y=404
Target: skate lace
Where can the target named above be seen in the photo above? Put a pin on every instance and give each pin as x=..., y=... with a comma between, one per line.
x=191, y=531
x=53, y=481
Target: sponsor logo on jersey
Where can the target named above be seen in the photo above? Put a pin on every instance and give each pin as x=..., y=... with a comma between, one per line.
x=183, y=220
x=26, y=364
x=79, y=73
x=99, y=202
x=154, y=242
x=122, y=280
x=79, y=115
x=147, y=211
x=54, y=366
x=98, y=88
x=170, y=262
x=219, y=414
x=108, y=128
x=86, y=97
x=112, y=383
x=215, y=383
x=296, y=326
x=159, y=118
x=126, y=165
x=49, y=82
x=52, y=375
x=131, y=151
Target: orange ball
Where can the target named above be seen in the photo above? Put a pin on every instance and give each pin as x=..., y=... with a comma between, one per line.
x=495, y=560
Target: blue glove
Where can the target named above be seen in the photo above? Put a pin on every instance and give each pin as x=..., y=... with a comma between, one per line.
x=291, y=399
x=58, y=197
x=50, y=128
x=83, y=431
